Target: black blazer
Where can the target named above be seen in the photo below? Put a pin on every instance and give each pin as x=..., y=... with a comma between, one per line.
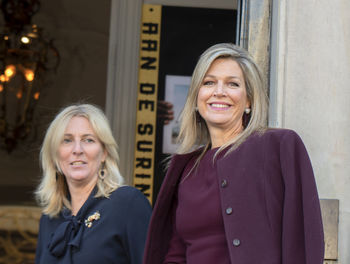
x=105, y=230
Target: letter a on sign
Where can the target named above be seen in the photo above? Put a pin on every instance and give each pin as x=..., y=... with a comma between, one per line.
x=147, y=98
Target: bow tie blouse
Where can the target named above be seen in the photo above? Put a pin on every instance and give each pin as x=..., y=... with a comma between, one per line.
x=105, y=230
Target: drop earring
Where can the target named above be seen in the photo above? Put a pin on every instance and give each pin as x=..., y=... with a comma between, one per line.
x=102, y=172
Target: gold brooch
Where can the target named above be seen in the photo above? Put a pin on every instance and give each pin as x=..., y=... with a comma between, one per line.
x=91, y=218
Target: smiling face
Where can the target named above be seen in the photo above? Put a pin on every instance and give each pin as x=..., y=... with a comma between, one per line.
x=222, y=97
x=80, y=153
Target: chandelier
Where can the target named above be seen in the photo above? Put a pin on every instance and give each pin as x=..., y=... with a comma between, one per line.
x=26, y=56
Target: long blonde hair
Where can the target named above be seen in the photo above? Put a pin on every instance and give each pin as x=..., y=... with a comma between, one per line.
x=52, y=191
x=193, y=130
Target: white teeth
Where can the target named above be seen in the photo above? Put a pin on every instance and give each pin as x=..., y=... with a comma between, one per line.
x=77, y=163
x=219, y=105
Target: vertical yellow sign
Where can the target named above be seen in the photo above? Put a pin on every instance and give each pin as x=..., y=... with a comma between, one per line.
x=146, y=113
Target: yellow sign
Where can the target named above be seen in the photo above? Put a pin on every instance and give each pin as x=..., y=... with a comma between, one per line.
x=147, y=100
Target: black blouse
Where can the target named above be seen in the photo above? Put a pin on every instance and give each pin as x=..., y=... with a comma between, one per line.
x=105, y=230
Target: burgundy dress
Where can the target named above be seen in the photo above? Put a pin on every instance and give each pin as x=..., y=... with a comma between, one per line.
x=198, y=231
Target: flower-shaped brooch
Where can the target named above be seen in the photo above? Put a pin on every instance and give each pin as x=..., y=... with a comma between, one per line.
x=91, y=219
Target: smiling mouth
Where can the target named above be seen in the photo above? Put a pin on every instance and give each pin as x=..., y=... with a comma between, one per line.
x=77, y=163
x=219, y=105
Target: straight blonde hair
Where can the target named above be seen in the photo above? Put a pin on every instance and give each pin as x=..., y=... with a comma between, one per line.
x=52, y=192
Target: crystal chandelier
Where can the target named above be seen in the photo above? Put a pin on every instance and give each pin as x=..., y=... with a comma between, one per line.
x=26, y=57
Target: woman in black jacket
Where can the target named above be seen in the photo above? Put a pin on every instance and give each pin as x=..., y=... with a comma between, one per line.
x=88, y=215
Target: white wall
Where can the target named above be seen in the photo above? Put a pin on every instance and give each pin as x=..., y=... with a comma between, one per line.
x=310, y=92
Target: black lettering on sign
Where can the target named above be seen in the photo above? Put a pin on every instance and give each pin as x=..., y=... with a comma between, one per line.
x=149, y=45
x=143, y=146
x=144, y=163
x=147, y=88
x=145, y=129
x=150, y=28
x=146, y=103
x=143, y=176
x=147, y=65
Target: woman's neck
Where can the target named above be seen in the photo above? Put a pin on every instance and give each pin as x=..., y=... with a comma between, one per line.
x=79, y=195
x=220, y=136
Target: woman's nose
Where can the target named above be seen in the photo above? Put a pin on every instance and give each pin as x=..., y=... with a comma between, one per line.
x=77, y=148
x=219, y=89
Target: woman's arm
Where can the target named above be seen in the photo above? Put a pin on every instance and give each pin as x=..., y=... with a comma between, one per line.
x=302, y=230
x=137, y=220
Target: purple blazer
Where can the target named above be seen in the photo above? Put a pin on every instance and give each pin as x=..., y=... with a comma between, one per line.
x=269, y=202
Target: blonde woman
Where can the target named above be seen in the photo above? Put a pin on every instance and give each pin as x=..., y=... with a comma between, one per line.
x=88, y=215
x=236, y=192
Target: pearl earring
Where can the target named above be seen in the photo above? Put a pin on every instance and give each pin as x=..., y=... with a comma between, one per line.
x=247, y=110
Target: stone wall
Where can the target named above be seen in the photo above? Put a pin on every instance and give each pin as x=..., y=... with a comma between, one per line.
x=310, y=81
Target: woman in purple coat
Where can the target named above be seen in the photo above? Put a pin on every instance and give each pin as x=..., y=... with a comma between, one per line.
x=236, y=192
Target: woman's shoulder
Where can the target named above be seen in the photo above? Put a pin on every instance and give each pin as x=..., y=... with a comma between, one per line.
x=128, y=194
x=276, y=134
x=129, y=202
x=126, y=190
x=271, y=138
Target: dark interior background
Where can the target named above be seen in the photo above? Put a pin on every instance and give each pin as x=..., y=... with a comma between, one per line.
x=80, y=30
x=186, y=32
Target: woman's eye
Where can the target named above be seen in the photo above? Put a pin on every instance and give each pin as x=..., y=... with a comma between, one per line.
x=67, y=140
x=207, y=83
x=233, y=84
x=89, y=140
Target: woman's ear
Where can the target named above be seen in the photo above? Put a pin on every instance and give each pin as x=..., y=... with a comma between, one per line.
x=248, y=104
x=105, y=154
